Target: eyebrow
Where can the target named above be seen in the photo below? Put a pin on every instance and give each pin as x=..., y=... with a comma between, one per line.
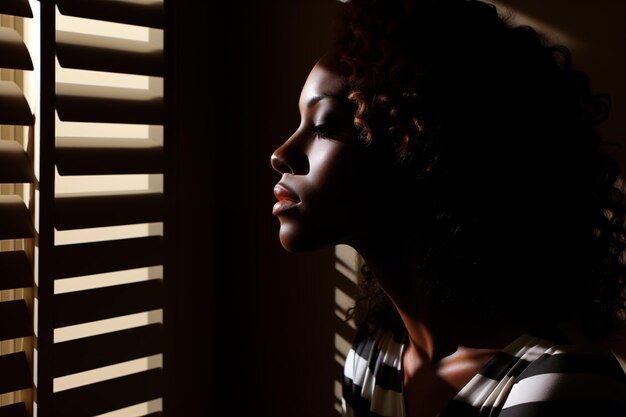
x=316, y=99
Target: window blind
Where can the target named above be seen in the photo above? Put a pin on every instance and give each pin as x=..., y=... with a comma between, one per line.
x=16, y=221
x=102, y=333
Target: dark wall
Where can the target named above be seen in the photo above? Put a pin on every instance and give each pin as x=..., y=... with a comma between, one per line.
x=596, y=35
x=248, y=318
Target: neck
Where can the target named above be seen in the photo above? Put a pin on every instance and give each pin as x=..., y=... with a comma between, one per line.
x=394, y=268
x=434, y=328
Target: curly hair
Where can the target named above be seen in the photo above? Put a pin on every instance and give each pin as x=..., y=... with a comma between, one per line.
x=520, y=206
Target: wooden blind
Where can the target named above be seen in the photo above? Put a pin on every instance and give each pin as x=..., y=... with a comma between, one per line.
x=81, y=208
x=16, y=220
x=90, y=238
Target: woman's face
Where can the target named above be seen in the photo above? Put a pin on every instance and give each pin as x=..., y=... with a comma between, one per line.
x=330, y=189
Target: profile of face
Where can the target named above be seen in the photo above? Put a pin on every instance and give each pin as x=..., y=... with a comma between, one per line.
x=331, y=185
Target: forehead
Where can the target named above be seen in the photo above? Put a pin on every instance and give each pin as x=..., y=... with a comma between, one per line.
x=323, y=81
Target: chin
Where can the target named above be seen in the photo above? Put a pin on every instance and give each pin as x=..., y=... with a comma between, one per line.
x=295, y=240
x=295, y=244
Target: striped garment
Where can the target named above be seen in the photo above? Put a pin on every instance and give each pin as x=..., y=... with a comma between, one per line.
x=532, y=377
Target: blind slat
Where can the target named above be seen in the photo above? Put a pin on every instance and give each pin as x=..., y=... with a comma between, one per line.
x=99, y=210
x=108, y=302
x=110, y=395
x=147, y=13
x=13, y=410
x=15, y=222
x=13, y=51
x=15, y=108
x=14, y=320
x=15, y=365
x=16, y=8
x=86, y=103
x=15, y=167
x=108, y=156
x=99, y=53
x=16, y=270
x=107, y=256
x=107, y=349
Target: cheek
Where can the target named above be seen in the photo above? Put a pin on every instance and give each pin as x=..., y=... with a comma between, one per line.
x=337, y=184
x=335, y=201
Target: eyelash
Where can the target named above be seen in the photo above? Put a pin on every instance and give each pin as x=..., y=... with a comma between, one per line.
x=322, y=131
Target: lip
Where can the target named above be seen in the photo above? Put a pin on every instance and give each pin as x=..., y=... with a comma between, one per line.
x=286, y=199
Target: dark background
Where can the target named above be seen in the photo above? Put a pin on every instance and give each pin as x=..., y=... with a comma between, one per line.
x=253, y=324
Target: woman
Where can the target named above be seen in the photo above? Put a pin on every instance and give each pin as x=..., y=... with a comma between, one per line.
x=457, y=154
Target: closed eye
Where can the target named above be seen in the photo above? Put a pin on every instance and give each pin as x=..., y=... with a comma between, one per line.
x=330, y=131
x=323, y=131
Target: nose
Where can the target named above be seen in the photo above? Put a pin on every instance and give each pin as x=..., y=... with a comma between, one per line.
x=289, y=158
x=278, y=162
